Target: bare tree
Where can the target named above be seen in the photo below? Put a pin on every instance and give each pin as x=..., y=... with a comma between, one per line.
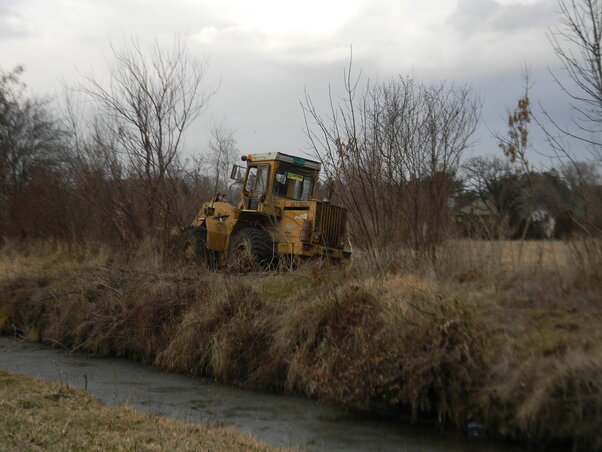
x=142, y=111
x=515, y=143
x=585, y=184
x=31, y=143
x=28, y=133
x=390, y=152
x=222, y=151
x=498, y=189
x=577, y=43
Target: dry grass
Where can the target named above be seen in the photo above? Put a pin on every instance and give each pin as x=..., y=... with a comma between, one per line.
x=549, y=254
x=507, y=338
x=36, y=415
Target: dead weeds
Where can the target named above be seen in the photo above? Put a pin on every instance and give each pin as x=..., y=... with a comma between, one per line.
x=512, y=344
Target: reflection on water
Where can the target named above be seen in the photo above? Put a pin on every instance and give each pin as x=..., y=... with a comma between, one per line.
x=277, y=419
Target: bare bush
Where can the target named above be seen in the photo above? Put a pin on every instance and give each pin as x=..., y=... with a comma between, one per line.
x=515, y=144
x=32, y=179
x=131, y=152
x=390, y=154
x=576, y=43
x=222, y=152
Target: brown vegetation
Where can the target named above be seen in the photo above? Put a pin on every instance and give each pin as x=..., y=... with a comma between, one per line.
x=504, y=334
x=390, y=153
x=480, y=337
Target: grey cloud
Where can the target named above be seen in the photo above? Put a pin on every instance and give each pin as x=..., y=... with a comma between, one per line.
x=12, y=25
x=263, y=76
x=514, y=17
x=471, y=16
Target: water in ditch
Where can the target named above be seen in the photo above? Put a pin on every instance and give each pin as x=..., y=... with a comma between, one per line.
x=280, y=420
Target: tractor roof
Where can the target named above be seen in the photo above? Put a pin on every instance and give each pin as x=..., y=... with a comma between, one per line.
x=298, y=161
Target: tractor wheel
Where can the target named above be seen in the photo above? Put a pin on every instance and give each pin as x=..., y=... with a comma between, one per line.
x=195, y=249
x=251, y=249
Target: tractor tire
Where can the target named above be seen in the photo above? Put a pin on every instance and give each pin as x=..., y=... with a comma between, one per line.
x=195, y=249
x=251, y=249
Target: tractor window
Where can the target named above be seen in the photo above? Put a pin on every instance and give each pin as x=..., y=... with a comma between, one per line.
x=251, y=179
x=280, y=184
x=256, y=180
x=256, y=186
x=262, y=177
x=293, y=182
x=307, y=188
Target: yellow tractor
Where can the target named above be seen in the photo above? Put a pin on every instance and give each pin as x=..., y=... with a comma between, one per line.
x=277, y=219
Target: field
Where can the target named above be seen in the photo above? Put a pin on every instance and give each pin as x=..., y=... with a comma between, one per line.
x=36, y=415
x=503, y=334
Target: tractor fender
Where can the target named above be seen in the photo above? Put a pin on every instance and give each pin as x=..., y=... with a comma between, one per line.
x=220, y=218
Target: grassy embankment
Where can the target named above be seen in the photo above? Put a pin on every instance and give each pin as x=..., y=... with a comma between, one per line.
x=36, y=415
x=506, y=337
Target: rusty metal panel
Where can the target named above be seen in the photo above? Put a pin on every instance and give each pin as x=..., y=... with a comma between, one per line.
x=330, y=224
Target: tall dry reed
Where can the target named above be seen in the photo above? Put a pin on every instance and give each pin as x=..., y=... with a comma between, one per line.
x=480, y=337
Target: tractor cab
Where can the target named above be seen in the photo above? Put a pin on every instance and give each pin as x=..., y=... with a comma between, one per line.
x=274, y=176
x=277, y=215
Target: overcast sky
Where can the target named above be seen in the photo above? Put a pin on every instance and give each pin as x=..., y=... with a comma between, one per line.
x=267, y=53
